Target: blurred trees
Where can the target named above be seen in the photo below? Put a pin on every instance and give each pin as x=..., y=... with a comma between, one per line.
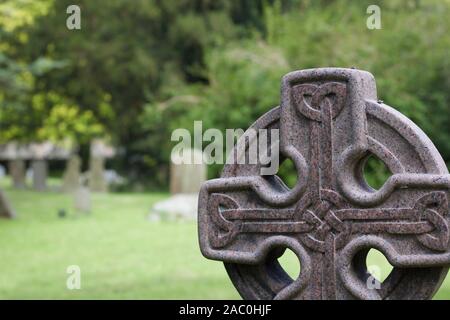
x=139, y=69
x=27, y=111
x=127, y=54
x=409, y=58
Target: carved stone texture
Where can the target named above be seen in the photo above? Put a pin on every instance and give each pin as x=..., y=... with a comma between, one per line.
x=330, y=122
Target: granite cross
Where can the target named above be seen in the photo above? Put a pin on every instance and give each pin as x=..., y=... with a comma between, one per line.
x=330, y=122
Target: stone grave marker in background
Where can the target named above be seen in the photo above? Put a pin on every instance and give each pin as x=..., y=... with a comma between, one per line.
x=17, y=173
x=6, y=210
x=39, y=154
x=187, y=174
x=187, y=177
x=99, y=152
x=15, y=156
x=97, y=182
x=40, y=173
x=330, y=122
x=71, y=178
x=82, y=199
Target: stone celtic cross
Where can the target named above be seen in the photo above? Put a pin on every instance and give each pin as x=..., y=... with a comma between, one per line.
x=330, y=122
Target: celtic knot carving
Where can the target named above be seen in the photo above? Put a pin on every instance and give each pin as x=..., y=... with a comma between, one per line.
x=319, y=106
x=330, y=122
x=333, y=216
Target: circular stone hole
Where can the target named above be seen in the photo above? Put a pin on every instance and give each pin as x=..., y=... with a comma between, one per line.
x=375, y=172
x=288, y=173
x=290, y=263
x=377, y=265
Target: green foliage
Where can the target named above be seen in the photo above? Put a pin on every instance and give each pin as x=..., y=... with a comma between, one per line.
x=17, y=13
x=66, y=121
x=243, y=83
x=129, y=52
x=19, y=119
x=26, y=114
x=409, y=58
x=376, y=173
x=138, y=70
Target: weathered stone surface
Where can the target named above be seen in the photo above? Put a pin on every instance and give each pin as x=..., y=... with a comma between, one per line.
x=40, y=172
x=97, y=182
x=188, y=176
x=71, y=178
x=17, y=173
x=330, y=122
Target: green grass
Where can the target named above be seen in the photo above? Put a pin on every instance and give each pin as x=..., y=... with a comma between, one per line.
x=121, y=254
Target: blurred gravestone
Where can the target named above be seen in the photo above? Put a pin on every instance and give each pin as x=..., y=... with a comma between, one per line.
x=39, y=154
x=187, y=172
x=97, y=182
x=82, y=199
x=12, y=153
x=40, y=171
x=5, y=208
x=17, y=173
x=71, y=178
x=99, y=152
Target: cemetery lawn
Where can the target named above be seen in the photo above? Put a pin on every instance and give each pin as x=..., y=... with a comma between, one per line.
x=121, y=254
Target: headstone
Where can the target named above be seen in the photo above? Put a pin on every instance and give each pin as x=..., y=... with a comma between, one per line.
x=99, y=152
x=330, y=122
x=17, y=173
x=40, y=170
x=71, y=178
x=97, y=182
x=6, y=210
x=82, y=199
x=187, y=172
x=16, y=153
